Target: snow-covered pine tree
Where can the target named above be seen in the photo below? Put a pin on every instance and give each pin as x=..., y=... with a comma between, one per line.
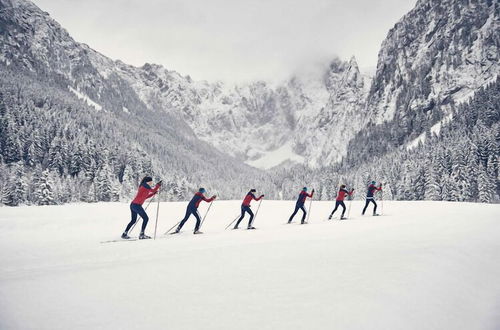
x=104, y=189
x=43, y=189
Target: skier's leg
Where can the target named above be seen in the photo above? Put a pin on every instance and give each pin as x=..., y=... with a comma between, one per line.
x=198, y=221
x=366, y=205
x=294, y=213
x=144, y=217
x=134, y=219
x=183, y=221
x=304, y=214
x=341, y=203
x=336, y=207
x=375, y=206
x=249, y=210
x=241, y=217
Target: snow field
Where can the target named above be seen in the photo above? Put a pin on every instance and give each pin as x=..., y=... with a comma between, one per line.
x=431, y=265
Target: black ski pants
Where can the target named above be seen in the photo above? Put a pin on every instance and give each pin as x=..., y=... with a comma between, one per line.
x=368, y=201
x=245, y=209
x=337, y=203
x=137, y=209
x=189, y=211
x=297, y=208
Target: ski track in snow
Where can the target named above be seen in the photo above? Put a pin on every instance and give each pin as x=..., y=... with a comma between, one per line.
x=423, y=265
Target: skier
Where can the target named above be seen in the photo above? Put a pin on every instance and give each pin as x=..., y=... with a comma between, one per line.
x=300, y=205
x=192, y=208
x=369, y=197
x=145, y=191
x=340, y=201
x=245, y=207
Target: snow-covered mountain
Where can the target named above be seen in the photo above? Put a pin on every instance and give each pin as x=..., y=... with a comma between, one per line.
x=438, y=54
x=441, y=51
x=262, y=124
x=257, y=123
x=434, y=58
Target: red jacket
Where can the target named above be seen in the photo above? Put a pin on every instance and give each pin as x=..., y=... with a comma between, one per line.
x=248, y=199
x=144, y=193
x=342, y=193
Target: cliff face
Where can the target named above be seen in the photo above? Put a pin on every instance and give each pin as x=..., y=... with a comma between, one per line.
x=440, y=51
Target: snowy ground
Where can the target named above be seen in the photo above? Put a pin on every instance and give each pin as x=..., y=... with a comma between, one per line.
x=423, y=265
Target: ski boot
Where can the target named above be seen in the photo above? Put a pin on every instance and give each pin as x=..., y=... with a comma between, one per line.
x=303, y=222
x=251, y=227
x=197, y=232
x=235, y=227
x=343, y=218
x=125, y=236
x=330, y=217
x=376, y=214
x=143, y=236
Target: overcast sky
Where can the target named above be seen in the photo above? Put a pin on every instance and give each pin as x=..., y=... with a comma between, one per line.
x=231, y=40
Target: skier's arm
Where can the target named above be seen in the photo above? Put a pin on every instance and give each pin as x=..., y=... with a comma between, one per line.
x=155, y=189
x=311, y=194
x=350, y=193
x=208, y=200
x=259, y=198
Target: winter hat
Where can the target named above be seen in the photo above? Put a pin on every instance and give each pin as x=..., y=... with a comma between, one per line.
x=304, y=189
x=373, y=182
x=342, y=186
x=253, y=190
x=202, y=190
x=146, y=179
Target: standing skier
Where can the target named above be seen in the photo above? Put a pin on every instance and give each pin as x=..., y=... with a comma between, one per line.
x=300, y=205
x=192, y=208
x=340, y=201
x=245, y=207
x=145, y=191
x=369, y=197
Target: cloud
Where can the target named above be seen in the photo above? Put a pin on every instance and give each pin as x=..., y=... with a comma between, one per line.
x=231, y=40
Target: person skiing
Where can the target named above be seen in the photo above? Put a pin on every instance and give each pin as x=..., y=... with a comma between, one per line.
x=192, y=208
x=245, y=208
x=145, y=191
x=299, y=205
x=370, y=199
x=340, y=201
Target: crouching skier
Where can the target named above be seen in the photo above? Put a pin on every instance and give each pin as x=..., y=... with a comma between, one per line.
x=340, y=201
x=145, y=191
x=192, y=208
x=370, y=199
x=300, y=205
x=245, y=208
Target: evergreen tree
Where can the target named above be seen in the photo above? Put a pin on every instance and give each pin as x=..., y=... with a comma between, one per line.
x=43, y=192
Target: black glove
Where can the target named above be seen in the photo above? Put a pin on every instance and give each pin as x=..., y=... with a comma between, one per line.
x=261, y=195
x=160, y=182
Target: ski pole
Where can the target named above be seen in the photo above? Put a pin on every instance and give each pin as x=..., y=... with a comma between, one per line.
x=256, y=212
x=168, y=231
x=232, y=222
x=140, y=216
x=309, y=213
x=381, y=202
x=202, y=221
x=349, y=208
x=157, y=212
